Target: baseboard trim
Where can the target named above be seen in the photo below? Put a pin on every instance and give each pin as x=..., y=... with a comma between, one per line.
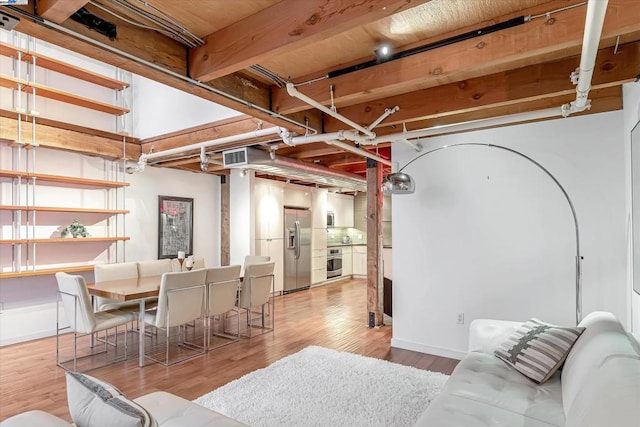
x=421, y=348
x=30, y=337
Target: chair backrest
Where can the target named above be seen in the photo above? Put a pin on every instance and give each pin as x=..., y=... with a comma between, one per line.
x=257, y=284
x=154, y=267
x=223, y=285
x=181, y=297
x=253, y=259
x=116, y=271
x=76, y=302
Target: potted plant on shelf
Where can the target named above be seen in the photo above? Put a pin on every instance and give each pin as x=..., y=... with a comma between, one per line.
x=75, y=229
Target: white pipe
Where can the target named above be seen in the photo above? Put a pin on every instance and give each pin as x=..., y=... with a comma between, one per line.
x=233, y=138
x=387, y=113
x=335, y=138
x=596, y=10
x=292, y=91
x=359, y=151
x=307, y=139
x=415, y=145
x=468, y=126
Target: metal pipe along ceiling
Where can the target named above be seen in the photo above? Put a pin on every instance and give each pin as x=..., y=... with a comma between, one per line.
x=596, y=10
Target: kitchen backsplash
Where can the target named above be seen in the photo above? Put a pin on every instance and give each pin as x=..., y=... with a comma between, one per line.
x=355, y=236
x=345, y=236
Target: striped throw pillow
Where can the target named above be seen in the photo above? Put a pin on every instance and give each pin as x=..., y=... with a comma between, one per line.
x=538, y=349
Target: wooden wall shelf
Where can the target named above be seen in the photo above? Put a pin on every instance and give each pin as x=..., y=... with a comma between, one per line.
x=46, y=271
x=61, y=67
x=62, y=209
x=58, y=95
x=64, y=240
x=41, y=177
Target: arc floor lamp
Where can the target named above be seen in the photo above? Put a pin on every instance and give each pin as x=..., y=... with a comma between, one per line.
x=402, y=183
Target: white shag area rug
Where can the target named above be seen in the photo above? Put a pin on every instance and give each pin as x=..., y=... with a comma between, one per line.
x=322, y=387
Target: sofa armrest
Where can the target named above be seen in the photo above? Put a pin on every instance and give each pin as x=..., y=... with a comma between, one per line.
x=485, y=335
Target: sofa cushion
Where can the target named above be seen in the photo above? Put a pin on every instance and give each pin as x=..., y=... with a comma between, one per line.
x=609, y=397
x=34, y=419
x=538, y=349
x=603, y=339
x=173, y=411
x=483, y=378
x=449, y=410
x=95, y=403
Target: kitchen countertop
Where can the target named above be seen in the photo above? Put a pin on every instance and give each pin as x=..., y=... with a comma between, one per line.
x=339, y=245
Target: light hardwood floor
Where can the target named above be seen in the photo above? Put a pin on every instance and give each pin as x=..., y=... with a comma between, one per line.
x=332, y=316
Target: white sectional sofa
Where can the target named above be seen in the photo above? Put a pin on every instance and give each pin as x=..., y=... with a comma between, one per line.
x=598, y=385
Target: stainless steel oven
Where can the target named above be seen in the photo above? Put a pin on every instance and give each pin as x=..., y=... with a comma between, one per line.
x=334, y=262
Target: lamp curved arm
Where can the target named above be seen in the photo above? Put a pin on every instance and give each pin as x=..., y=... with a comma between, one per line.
x=562, y=189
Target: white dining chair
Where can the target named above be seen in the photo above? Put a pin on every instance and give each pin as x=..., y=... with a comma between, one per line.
x=155, y=267
x=223, y=284
x=256, y=292
x=73, y=293
x=181, y=299
x=253, y=259
x=115, y=271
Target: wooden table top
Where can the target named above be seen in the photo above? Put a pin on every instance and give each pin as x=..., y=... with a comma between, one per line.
x=127, y=289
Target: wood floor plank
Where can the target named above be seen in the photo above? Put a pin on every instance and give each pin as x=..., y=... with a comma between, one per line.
x=332, y=316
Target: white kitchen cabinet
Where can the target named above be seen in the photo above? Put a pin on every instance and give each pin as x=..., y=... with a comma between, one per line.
x=347, y=260
x=319, y=239
x=318, y=265
x=296, y=197
x=319, y=208
x=273, y=248
x=269, y=197
x=342, y=207
x=319, y=275
x=359, y=260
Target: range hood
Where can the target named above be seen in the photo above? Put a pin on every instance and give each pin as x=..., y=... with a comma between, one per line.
x=270, y=163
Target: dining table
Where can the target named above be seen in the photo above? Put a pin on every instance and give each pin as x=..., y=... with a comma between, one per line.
x=135, y=289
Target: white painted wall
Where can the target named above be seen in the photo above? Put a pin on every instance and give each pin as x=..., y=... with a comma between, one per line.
x=631, y=101
x=488, y=234
x=165, y=106
x=241, y=215
x=142, y=201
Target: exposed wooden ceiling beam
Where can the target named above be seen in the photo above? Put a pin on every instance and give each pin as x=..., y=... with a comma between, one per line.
x=501, y=89
x=306, y=151
x=494, y=52
x=59, y=10
x=286, y=25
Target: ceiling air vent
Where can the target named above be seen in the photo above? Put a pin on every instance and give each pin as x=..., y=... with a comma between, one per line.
x=253, y=158
x=243, y=156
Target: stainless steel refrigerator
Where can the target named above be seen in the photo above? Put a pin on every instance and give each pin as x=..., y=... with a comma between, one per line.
x=297, y=251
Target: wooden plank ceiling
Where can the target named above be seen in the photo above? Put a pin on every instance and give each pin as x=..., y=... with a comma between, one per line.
x=246, y=43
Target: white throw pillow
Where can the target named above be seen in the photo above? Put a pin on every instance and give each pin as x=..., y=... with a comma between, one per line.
x=537, y=349
x=95, y=403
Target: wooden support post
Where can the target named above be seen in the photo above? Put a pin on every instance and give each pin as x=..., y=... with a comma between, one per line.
x=225, y=228
x=374, y=244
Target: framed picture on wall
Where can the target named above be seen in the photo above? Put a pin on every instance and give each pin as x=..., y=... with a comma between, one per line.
x=175, y=226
